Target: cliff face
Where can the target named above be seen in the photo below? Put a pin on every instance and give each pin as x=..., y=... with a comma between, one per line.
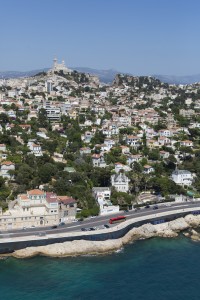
x=82, y=247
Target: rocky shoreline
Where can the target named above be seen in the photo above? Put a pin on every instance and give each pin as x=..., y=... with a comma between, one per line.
x=83, y=247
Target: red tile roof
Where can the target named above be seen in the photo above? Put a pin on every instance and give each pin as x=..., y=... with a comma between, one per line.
x=7, y=163
x=35, y=192
x=66, y=199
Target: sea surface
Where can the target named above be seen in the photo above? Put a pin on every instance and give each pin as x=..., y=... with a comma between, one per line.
x=156, y=269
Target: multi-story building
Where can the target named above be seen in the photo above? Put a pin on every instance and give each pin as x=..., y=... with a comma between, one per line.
x=6, y=167
x=67, y=208
x=121, y=182
x=35, y=148
x=182, y=177
x=98, y=161
x=53, y=112
x=133, y=141
x=102, y=196
x=37, y=208
x=148, y=169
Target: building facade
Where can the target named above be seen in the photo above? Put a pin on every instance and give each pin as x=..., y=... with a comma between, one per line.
x=36, y=208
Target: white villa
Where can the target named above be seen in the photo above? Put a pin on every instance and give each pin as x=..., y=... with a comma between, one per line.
x=102, y=196
x=121, y=182
x=182, y=177
x=35, y=148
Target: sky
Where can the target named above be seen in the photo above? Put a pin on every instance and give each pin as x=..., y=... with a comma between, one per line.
x=142, y=37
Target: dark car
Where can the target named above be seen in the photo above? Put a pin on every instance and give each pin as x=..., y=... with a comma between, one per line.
x=54, y=226
x=155, y=207
x=147, y=206
x=91, y=228
x=83, y=229
x=106, y=226
x=61, y=223
x=81, y=219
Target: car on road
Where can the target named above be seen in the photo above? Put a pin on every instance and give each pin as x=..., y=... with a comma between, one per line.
x=83, y=229
x=54, y=226
x=24, y=228
x=61, y=223
x=126, y=210
x=91, y=228
x=155, y=207
x=106, y=226
x=80, y=220
x=33, y=226
x=147, y=206
x=168, y=204
x=92, y=217
x=75, y=220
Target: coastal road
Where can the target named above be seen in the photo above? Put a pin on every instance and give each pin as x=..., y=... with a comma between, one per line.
x=99, y=220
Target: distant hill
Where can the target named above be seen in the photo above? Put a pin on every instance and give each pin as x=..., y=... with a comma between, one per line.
x=17, y=74
x=178, y=79
x=106, y=76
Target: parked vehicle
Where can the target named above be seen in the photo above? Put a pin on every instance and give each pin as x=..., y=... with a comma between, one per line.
x=54, y=226
x=155, y=207
x=106, y=226
x=61, y=223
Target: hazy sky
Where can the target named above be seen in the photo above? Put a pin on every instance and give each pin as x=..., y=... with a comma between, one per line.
x=142, y=37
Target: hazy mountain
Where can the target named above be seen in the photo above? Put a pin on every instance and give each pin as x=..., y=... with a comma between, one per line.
x=105, y=76
x=178, y=79
x=16, y=74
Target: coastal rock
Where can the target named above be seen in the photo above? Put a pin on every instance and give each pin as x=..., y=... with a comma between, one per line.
x=73, y=248
x=194, y=235
x=193, y=221
x=178, y=224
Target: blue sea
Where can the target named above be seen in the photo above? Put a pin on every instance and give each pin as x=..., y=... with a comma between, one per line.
x=156, y=269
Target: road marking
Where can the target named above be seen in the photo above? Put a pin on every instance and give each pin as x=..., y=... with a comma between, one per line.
x=94, y=222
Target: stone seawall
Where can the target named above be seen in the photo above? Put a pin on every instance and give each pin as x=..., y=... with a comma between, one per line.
x=83, y=246
x=8, y=245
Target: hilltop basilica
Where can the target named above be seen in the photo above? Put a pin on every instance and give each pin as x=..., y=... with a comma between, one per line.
x=59, y=67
